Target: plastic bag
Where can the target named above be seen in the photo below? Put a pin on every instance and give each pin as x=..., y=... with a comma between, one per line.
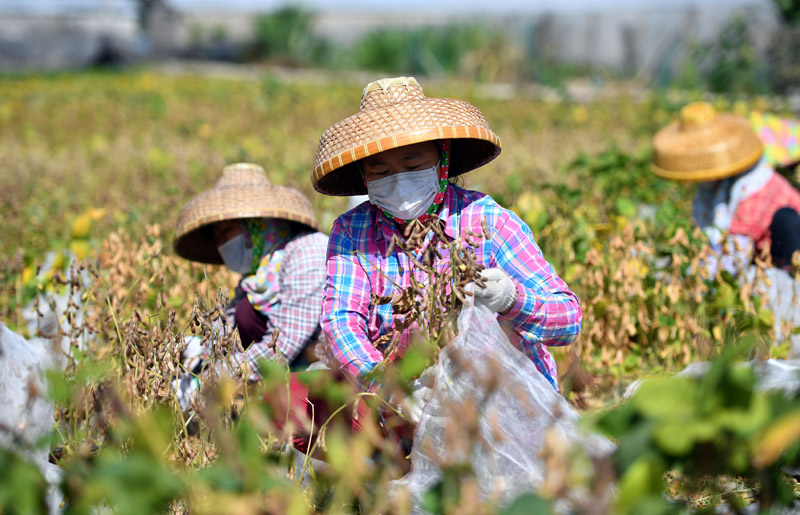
x=493, y=409
x=25, y=412
x=781, y=294
x=772, y=374
x=48, y=312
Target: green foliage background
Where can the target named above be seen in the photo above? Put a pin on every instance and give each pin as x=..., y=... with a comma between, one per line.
x=101, y=163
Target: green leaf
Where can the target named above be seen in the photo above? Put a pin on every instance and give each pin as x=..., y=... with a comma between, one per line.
x=415, y=360
x=678, y=437
x=662, y=397
x=528, y=504
x=626, y=207
x=666, y=320
x=747, y=421
x=643, y=479
x=22, y=487
x=766, y=317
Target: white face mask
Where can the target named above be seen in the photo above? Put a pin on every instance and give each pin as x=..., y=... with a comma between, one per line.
x=236, y=255
x=406, y=195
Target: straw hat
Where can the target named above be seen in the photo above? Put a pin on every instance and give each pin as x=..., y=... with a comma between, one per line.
x=243, y=191
x=705, y=146
x=395, y=113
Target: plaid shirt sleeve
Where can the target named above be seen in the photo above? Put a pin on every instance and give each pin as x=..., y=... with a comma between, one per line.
x=296, y=314
x=546, y=311
x=346, y=304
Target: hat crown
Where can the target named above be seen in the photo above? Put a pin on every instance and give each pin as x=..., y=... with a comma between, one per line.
x=240, y=175
x=704, y=145
x=385, y=92
x=696, y=115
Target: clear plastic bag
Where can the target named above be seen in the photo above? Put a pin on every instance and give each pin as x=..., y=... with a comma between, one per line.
x=780, y=292
x=25, y=412
x=491, y=408
x=772, y=374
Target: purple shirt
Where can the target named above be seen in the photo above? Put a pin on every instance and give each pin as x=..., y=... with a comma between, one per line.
x=545, y=313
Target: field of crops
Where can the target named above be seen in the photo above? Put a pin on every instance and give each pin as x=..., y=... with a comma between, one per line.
x=98, y=166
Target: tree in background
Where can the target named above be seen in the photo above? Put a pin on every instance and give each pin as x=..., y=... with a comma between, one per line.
x=789, y=10
x=430, y=50
x=727, y=64
x=285, y=36
x=733, y=65
x=784, y=50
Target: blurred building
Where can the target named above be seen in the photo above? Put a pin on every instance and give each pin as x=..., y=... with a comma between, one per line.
x=42, y=35
x=76, y=33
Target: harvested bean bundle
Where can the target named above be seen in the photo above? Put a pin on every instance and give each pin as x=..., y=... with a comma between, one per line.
x=435, y=302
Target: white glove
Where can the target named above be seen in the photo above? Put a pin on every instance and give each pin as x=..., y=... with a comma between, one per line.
x=194, y=354
x=185, y=386
x=500, y=292
x=421, y=394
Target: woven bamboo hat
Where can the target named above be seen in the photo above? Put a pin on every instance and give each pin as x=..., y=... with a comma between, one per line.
x=243, y=191
x=705, y=146
x=395, y=113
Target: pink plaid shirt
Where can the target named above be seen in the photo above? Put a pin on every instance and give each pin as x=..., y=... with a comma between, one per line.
x=546, y=311
x=297, y=309
x=754, y=214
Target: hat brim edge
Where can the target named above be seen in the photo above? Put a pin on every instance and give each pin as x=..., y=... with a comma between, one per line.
x=402, y=139
x=709, y=174
x=184, y=244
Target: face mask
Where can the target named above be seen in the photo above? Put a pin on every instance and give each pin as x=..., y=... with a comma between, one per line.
x=236, y=255
x=405, y=195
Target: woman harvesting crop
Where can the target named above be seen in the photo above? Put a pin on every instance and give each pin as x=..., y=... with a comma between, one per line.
x=268, y=234
x=400, y=149
x=741, y=203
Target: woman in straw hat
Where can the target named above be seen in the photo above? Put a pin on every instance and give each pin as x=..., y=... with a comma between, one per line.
x=269, y=235
x=741, y=203
x=400, y=149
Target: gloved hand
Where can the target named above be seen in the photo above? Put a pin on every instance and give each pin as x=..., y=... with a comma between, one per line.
x=194, y=361
x=421, y=394
x=195, y=353
x=185, y=385
x=500, y=292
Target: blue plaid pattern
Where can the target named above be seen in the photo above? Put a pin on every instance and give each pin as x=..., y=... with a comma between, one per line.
x=546, y=311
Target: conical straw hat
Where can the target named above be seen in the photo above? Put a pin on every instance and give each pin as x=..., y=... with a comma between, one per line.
x=705, y=146
x=243, y=191
x=395, y=113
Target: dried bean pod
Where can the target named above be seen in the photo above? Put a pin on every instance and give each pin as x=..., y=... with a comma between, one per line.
x=485, y=229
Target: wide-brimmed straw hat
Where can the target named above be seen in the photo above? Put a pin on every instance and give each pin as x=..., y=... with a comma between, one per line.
x=243, y=191
x=705, y=145
x=395, y=113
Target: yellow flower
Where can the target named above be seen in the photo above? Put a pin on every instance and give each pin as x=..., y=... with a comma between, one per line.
x=580, y=114
x=28, y=274
x=97, y=213
x=81, y=226
x=80, y=248
x=59, y=262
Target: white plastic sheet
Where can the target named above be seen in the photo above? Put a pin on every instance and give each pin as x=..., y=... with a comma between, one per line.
x=47, y=313
x=482, y=377
x=771, y=374
x=25, y=412
x=780, y=292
